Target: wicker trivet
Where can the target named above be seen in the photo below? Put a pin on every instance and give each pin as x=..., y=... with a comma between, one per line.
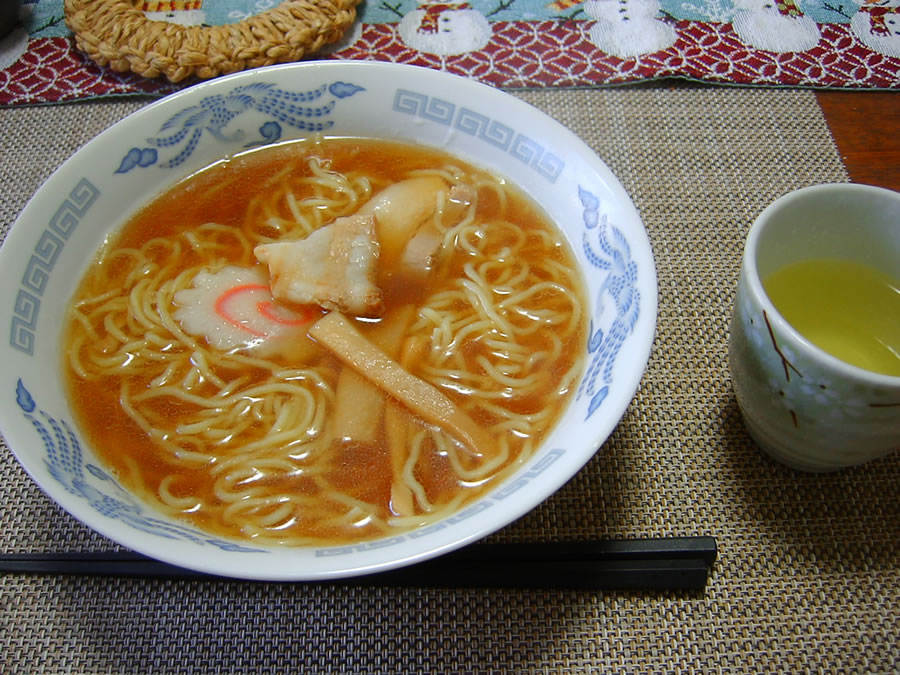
x=118, y=34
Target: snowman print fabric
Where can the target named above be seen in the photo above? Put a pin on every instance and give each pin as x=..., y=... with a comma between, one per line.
x=527, y=43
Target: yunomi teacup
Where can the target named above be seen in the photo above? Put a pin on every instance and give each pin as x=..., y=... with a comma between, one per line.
x=805, y=406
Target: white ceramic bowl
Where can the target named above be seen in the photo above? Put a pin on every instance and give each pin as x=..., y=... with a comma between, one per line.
x=95, y=191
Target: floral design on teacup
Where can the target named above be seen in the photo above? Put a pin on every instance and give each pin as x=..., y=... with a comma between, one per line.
x=802, y=389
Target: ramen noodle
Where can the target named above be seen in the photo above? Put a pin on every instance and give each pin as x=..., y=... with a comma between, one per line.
x=325, y=341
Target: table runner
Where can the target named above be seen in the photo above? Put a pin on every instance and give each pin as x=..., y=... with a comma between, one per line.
x=527, y=43
x=809, y=566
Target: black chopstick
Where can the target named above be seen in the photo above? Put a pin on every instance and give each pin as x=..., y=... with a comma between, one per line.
x=676, y=563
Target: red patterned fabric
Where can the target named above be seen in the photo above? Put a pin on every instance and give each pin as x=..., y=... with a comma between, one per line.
x=519, y=54
x=53, y=71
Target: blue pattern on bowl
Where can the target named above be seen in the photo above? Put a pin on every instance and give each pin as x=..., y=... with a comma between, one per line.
x=44, y=256
x=614, y=256
x=65, y=462
x=518, y=145
x=186, y=127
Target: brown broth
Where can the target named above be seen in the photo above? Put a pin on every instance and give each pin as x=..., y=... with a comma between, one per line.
x=221, y=194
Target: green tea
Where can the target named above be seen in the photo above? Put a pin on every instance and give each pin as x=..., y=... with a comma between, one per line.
x=850, y=310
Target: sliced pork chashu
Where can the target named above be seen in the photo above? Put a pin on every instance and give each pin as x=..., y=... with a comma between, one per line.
x=335, y=267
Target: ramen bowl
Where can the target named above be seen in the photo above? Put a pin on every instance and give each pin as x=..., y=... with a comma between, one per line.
x=90, y=196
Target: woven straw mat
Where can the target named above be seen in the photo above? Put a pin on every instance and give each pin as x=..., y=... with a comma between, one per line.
x=116, y=33
x=809, y=568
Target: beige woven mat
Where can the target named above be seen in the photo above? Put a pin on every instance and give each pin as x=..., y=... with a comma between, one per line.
x=809, y=566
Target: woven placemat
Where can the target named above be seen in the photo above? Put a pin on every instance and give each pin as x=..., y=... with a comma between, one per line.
x=809, y=568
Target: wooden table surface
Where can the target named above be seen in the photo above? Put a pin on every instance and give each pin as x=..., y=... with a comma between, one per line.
x=866, y=129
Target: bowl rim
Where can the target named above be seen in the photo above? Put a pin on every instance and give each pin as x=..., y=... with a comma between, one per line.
x=627, y=382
